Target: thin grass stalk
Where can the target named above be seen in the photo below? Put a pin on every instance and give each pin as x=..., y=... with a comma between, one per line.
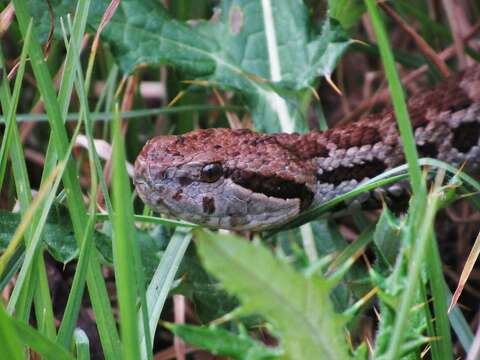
x=49, y=195
x=74, y=301
x=43, y=303
x=39, y=343
x=82, y=344
x=398, y=100
x=70, y=316
x=124, y=240
x=66, y=85
x=8, y=133
x=152, y=220
x=95, y=281
x=82, y=87
x=11, y=345
x=460, y=325
x=19, y=168
x=12, y=267
x=94, y=161
x=130, y=115
x=26, y=220
x=434, y=346
x=42, y=295
x=162, y=280
x=439, y=296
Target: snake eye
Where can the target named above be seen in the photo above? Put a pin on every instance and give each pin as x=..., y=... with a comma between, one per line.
x=211, y=172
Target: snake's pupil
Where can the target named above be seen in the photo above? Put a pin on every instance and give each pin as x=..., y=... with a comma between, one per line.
x=211, y=172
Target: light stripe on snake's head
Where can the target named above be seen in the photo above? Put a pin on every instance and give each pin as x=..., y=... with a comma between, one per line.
x=233, y=179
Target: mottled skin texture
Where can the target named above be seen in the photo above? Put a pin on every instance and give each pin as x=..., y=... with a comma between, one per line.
x=239, y=179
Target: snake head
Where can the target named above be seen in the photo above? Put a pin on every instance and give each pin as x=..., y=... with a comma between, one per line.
x=222, y=178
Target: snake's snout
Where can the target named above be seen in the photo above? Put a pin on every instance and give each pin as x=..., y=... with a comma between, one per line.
x=146, y=183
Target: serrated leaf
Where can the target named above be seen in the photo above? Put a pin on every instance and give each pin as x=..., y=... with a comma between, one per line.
x=221, y=342
x=298, y=307
x=258, y=48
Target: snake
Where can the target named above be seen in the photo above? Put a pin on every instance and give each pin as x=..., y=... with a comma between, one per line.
x=239, y=179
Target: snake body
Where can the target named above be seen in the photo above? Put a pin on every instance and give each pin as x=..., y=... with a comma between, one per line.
x=243, y=180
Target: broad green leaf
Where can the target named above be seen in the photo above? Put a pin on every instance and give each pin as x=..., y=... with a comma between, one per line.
x=58, y=234
x=42, y=18
x=259, y=48
x=298, y=307
x=222, y=342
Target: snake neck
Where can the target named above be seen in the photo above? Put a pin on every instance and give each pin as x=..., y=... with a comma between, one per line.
x=446, y=125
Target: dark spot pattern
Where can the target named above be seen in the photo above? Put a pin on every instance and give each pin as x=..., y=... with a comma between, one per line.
x=208, y=205
x=178, y=195
x=356, y=172
x=465, y=136
x=273, y=186
x=460, y=105
x=428, y=150
x=185, y=181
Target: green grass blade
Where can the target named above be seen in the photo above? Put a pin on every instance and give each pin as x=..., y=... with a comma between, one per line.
x=152, y=220
x=162, y=280
x=39, y=343
x=96, y=285
x=131, y=115
x=8, y=134
x=18, y=159
x=70, y=316
x=398, y=100
x=82, y=344
x=34, y=244
x=22, y=227
x=439, y=297
x=71, y=60
x=11, y=345
x=23, y=189
x=123, y=242
x=460, y=325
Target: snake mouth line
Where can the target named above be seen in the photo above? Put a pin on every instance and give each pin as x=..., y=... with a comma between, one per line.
x=272, y=186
